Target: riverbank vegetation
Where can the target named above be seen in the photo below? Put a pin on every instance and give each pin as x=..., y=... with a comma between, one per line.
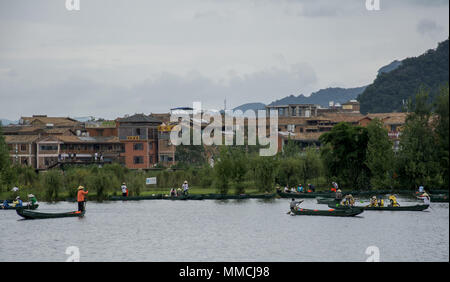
x=356, y=157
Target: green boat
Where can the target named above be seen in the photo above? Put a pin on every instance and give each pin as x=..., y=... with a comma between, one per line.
x=331, y=212
x=326, y=201
x=26, y=207
x=401, y=208
x=193, y=197
x=27, y=214
x=439, y=198
x=296, y=195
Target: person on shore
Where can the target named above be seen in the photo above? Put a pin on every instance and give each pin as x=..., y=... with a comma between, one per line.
x=393, y=201
x=185, y=188
x=32, y=200
x=124, y=190
x=426, y=198
x=373, y=202
x=95, y=156
x=18, y=202
x=81, y=198
x=294, y=204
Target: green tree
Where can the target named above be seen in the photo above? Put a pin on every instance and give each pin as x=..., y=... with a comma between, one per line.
x=345, y=155
x=417, y=157
x=265, y=169
x=310, y=165
x=52, y=181
x=380, y=155
x=223, y=170
x=441, y=125
x=5, y=162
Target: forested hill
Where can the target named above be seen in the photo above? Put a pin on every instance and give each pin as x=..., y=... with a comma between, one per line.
x=387, y=92
x=322, y=97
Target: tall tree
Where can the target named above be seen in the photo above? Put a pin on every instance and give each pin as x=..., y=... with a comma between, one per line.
x=5, y=162
x=441, y=125
x=380, y=156
x=346, y=155
x=417, y=158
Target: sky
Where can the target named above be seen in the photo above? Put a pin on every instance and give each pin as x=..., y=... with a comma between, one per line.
x=119, y=57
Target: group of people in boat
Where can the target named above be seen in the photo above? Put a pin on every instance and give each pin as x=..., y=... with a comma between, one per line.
x=299, y=189
x=18, y=202
x=183, y=191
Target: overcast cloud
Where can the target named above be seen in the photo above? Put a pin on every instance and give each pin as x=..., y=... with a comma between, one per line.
x=125, y=56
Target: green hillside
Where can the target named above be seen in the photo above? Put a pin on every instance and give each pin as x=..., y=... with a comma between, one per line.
x=389, y=90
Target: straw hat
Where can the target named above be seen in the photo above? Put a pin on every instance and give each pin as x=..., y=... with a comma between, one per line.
x=339, y=190
x=30, y=195
x=425, y=194
x=80, y=187
x=18, y=197
x=185, y=182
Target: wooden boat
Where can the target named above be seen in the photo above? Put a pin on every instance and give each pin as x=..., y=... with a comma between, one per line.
x=26, y=207
x=194, y=197
x=439, y=198
x=330, y=212
x=326, y=201
x=296, y=195
x=386, y=208
x=27, y=214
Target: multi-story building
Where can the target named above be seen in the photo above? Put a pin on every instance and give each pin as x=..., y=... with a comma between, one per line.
x=294, y=110
x=22, y=149
x=139, y=134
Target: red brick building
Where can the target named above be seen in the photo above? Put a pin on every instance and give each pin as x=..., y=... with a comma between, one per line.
x=139, y=134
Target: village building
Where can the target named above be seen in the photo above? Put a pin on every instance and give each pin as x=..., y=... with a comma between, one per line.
x=139, y=134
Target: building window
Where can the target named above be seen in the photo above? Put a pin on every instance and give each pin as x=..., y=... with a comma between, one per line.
x=138, y=160
x=151, y=159
x=138, y=147
x=48, y=147
x=23, y=148
x=138, y=131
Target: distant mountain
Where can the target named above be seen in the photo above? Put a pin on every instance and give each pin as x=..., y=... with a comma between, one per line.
x=389, y=90
x=388, y=68
x=7, y=121
x=322, y=97
x=251, y=106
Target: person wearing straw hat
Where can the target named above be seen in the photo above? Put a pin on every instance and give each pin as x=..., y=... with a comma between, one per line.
x=81, y=198
x=18, y=202
x=185, y=187
x=425, y=197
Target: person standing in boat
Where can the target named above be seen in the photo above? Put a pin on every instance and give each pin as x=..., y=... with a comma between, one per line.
x=124, y=189
x=185, y=187
x=81, y=198
x=294, y=204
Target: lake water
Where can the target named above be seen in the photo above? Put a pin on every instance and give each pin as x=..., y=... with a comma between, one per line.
x=246, y=230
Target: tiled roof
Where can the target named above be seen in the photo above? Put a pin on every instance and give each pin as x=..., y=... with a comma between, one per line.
x=139, y=118
x=92, y=139
x=13, y=139
x=56, y=121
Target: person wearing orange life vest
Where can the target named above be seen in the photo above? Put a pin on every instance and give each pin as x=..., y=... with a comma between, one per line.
x=335, y=187
x=81, y=198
